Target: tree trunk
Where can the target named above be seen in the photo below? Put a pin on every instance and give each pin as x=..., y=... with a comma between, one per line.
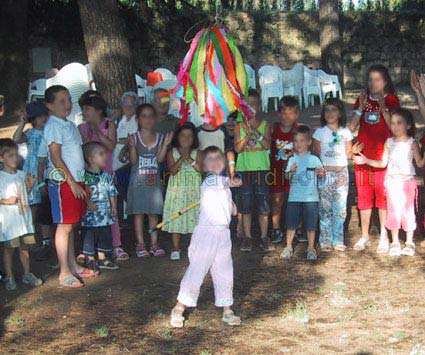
x=330, y=39
x=108, y=49
x=14, y=58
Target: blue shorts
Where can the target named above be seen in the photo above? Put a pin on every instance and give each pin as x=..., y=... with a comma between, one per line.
x=254, y=191
x=307, y=212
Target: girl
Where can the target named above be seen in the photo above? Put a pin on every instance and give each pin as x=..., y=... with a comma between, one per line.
x=333, y=143
x=37, y=115
x=211, y=247
x=401, y=188
x=183, y=185
x=98, y=128
x=372, y=112
x=147, y=149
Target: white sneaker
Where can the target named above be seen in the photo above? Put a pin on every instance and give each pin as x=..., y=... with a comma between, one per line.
x=230, y=318
x=175, y=255
x=11, y=284
x=30, y=279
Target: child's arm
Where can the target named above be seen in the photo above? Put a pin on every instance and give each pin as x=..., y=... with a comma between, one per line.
x=358, y=108
x=361, y=159
x=241, y=143
x=419, y=158
x=316, y=147
x=231, y=162
x=162, y=151
x=265, y=139
x=110, y=140
x=30, y=182
x=113, y=200
x=132, y=149
x=19, y=136
x=348, y=149
x=13, y=200
x=173, y=165
x=197, y=165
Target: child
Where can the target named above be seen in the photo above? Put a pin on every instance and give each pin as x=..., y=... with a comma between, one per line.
x=210, y=136
x=37, y=115
x=210, y=247
x=183, y=185
x=303, y=201
x=98, y=128
x=17, y=230
x=147, y=149
x=96, y=225
x=66, y=191
x=252, y=143
x=281, y=150
x=372, y=113
x=333, y=143
x=401, y=188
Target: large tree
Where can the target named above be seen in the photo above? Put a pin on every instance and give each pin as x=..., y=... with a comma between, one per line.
x=330, y=38
x=14, y=58
x=107, y=47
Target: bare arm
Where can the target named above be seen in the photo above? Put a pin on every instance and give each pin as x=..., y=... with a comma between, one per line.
x=173, y=166
x=361, y=159
x=241, y=143
x=132, y=150
x=110, y=140
x=348, y=149
x=230, y=155
x=19, y=136
x=419, y=158
x=265, y=142
x=162, y=151
x=316, y=147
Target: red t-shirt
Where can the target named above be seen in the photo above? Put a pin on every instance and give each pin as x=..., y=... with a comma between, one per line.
x=373, y=131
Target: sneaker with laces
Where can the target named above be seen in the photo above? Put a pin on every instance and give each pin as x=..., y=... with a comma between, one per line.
x=266, y=245
x=31, y=280
x=246, y=245
x=10, y=283
x=311, y=254
x=287, y=253
x=276, y=236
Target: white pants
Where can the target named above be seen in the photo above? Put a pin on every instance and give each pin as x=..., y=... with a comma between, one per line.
x=210, y=250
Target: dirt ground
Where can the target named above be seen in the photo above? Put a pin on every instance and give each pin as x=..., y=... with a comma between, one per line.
x=345, y=303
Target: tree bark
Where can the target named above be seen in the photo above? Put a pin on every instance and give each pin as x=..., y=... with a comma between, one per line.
x=108, y=49
x=14, y=57
x=330, y=38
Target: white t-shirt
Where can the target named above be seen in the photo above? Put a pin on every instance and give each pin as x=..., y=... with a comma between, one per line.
x=333, y=145
x=15, y=220
x=66, y=134
x=125, y=127
x=400, y=159
x=214, y=137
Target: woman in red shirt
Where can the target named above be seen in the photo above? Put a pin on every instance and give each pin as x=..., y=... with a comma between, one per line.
x=372, y=115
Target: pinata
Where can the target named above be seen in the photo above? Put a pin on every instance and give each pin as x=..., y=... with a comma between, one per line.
x=213, y=76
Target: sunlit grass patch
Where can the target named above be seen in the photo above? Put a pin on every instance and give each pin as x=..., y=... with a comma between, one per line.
x=298, y=314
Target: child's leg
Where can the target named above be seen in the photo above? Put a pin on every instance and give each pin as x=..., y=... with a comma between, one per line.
x=290, y=234
x=8, y=261
x=339, y=211
x=409, y=237
x=104, y=242
x=116, y=235
x=62, y=238
x=325, y=211
x=311, y=236
x=293, y=220
x=138, y=228
x=277, y=201
x=176, y=241
x=394, y=235
x=89, y=244
x=263, y=220
x=310, y=219
x=365, y=222
x=34, y=214
x=24, y=256
x=246, y=221
x=72, y=261
x=153, y=221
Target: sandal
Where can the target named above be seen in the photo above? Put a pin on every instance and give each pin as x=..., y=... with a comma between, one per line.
x=108, y=264
x=71, y=282
x=340, y=247
x=141, y=251
x=119, y=254
x=409, y=249
x=87, y=273
x=177, y=319
x=361, y=244
x=395, y=249
x=230, y=318
x=383, y=246
x=155, y=250
x=326, y=248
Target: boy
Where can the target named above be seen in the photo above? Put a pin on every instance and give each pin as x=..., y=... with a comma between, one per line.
x=17, y=229
x=303, y=201
x=66, y=192
x=96, y=230
x=281, y=150
x=252, y=144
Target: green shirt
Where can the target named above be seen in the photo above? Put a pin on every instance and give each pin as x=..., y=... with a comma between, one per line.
x=253, y=157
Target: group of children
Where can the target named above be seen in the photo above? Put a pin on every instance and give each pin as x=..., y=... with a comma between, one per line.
x=171, y=167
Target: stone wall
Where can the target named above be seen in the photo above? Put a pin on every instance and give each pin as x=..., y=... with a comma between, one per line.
x=396, y=40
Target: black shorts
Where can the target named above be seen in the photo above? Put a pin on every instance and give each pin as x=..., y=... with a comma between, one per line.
x=255, y=191
x=96, y=239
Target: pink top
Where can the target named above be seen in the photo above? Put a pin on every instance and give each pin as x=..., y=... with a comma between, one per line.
x=104, y=128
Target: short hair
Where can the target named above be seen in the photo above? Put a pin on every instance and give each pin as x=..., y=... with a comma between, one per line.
x=408, y=118
x=86, y=95
x=98, y=103
x=333, y=101
x=89, y=148
x=131, y=94
x=212, y=149
x=254, y=93
x=190, y=126
x=289, y=102
x=142, y=107
x=50, y=93
x=7, y=144
x=302, y=129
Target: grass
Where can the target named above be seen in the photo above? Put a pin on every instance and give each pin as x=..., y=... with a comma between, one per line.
x=166, y=334
x=15, y=320
x=102, y=332
x=298, y=314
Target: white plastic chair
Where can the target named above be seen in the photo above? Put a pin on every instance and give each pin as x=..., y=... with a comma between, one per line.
x=141, y=88
x=75, y=78
x=271, y=83
x=36, y=90
x=293, y=81
x=311, y=87
x=329, y=84
x=251, y=76
x=166, y=74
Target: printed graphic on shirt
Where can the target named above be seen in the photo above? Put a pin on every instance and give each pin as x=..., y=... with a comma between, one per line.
x=372, y=117
x=284, y=149
x=148, y=164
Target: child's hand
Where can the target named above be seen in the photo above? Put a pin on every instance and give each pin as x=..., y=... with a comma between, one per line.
x=357, y=148
x=293, y=167
x=168, y=138
x=414, y=83
x=91, y=205
x=78, y=191
x=13, y=200
x=23, y=120
x=362, y=100
x=30, y=181
x=131, y=141
x=360, y=159
x=235, y=180
x=321, y=172
x=114, y=212
x=247, y=128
